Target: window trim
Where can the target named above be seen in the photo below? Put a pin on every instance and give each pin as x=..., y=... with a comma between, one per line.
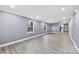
x=45, y=25
x=31, y=26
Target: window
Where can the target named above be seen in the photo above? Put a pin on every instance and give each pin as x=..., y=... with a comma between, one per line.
x=30, y=27
x=45, y=26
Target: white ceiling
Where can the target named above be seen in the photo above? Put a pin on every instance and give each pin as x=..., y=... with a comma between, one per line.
x=47, y=13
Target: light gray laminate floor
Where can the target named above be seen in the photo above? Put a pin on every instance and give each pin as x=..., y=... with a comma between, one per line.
x=58, y=43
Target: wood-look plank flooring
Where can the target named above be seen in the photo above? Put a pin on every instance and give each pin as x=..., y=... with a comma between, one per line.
x=56, y=43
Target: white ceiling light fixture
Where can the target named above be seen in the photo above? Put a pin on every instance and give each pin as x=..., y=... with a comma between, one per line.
x=47, y=21
x=64, y=18
x=37, y=17
x=63, y=9
x=76, y=10
x=12, y=6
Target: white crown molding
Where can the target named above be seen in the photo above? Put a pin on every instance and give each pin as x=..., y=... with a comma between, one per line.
x=20, y=14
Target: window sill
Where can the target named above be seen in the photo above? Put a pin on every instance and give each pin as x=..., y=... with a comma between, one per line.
x=30, y=32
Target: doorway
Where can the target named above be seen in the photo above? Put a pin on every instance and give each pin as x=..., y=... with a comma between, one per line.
x=64, y=28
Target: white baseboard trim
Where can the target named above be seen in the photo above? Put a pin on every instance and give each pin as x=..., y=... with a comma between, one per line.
x=53, y=32
x=6, y=44
x=77, y=49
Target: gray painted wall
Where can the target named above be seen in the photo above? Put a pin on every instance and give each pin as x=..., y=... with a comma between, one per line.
x=74, y=28
x=14, y=27
x=54, y=27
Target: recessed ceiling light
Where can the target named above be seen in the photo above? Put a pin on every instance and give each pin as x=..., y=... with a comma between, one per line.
x=12, y=6
x=62, y=9
x=64, y=17
x=76, y=10
x=37, y=17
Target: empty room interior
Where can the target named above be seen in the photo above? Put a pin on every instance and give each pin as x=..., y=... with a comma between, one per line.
x=39, y=29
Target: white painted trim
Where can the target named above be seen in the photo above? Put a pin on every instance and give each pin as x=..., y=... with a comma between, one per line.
x=53, y=32
x=30, y=32
x=77, y=49
x=6, y=44
x=20, y=14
